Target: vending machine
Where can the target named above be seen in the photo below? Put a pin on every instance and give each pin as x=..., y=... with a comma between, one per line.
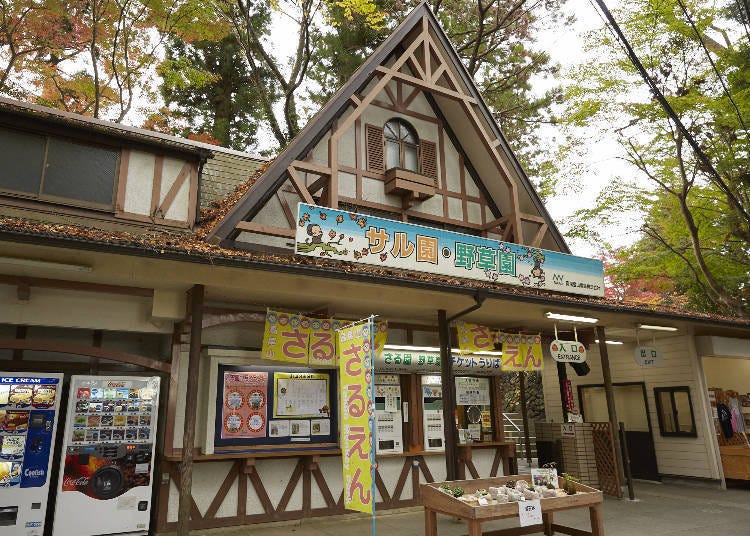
x=388, y=433
x=432, y=411
x=107, y=456
x=29, y=405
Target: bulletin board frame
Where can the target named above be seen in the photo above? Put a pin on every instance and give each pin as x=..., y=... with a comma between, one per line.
x=311, y=442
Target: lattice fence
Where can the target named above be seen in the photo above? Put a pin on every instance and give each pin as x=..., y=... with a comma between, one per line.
x=606, y=464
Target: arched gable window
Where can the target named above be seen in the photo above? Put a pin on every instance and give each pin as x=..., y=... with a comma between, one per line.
x=396, y=145
x=401, y=145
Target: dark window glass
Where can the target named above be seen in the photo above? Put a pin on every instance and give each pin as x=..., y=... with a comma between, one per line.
x=80, y=172
x=675, y=411
x=21, y=160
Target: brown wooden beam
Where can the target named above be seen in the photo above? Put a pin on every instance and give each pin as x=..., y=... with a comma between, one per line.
x=299, y=186
x=433, y=88
x=252, y=227
x=311, y=167
x=21, y=332
x=80, y=349
x=62, y=284
x=191, y=405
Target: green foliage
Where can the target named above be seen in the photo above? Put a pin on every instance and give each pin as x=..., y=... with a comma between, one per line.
x=694, y=239
x=208, y=87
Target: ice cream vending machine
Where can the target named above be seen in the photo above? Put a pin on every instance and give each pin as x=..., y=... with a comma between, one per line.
x=29, y=405
x=107, y=458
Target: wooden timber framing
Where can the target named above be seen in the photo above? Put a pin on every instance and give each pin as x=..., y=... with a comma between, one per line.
x=160, y=204
x=419, y=60
x=243, y=476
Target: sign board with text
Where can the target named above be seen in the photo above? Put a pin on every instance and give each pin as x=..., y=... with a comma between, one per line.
x=530, y=512
x=359, y=238
x=567, y=351
x=647, y=356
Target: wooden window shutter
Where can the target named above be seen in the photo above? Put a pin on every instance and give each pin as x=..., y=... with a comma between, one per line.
x=428, y=158
x=374, y=142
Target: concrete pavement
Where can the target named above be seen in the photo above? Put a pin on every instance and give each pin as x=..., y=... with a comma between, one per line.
x=661, y=510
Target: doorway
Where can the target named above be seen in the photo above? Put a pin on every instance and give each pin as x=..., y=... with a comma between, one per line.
x=631, y=405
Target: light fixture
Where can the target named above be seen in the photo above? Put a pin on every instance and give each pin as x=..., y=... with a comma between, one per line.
x=432, y=349
x=656, y=328
x=572, y=318
x=411, y=348
x=609, y=342
x=34, y=263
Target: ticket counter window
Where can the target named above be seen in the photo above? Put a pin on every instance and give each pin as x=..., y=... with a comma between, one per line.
x=432, y=413
x=473, y=409
x=388, y=416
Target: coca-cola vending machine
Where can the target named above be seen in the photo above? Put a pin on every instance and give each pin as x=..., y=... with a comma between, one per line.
x=107, y=457
x=29, y=406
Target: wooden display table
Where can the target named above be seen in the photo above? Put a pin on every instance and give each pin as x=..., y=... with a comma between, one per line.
x=735, y=459
x=436, y=501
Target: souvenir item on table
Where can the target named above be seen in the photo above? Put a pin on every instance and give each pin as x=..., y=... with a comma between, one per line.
x=530, y=494
x=522, y=485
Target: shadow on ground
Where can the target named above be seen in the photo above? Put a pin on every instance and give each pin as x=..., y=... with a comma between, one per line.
x=660, y=510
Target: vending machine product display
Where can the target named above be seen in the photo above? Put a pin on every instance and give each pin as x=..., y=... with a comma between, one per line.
x=107, y=456
x=29, y=405
x=432, y=408
x=388, y=425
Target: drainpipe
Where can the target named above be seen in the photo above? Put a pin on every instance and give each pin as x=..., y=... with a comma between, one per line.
x=449, y=387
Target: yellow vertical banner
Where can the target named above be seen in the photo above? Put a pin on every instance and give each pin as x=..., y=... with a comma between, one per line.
x=521, y=352
x=286, y=337
x=355, y=372
x=322, y=342
x=381, y=337
x=474, y=338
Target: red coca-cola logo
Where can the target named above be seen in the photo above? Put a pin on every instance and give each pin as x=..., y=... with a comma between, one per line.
x=71, y=482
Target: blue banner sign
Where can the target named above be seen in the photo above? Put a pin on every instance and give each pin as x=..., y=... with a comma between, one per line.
x=325, y=232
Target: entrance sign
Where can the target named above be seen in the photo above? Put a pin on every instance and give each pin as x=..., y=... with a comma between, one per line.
x=353, y=237
x=647, y=356
x=568, y=429
x=567, y=351
x=356, y=369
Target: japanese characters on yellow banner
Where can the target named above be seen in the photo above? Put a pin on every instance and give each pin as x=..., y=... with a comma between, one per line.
x=381, y=334
x=521, y=352
x=296, y=338
x=355, y=366
x=473, y=338
x=323, y=341
x=286, y=337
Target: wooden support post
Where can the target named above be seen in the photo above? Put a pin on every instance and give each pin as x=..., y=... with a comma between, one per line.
x=525, y=416
x=21, y=332
x=562, y=375
x=191, y=402
x=498, y=421
x=610, y=395
x=449, y=396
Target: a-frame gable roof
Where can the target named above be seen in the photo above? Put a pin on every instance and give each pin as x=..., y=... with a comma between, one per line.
x=460, y=104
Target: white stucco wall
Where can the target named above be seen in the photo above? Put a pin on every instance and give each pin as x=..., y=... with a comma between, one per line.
x=684, y=456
